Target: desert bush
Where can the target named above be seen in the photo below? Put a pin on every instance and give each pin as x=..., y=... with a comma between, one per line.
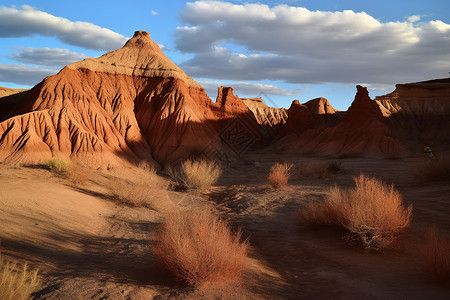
x=317, y=170
x=279, y=174
x=78, y=174
x=16, y=282
x=436, y=252
x=146, y=190
x=432, y=170
x=146, y=166
x=373, y=212
x=58, y=164
x=198, y=247
x=199, y=174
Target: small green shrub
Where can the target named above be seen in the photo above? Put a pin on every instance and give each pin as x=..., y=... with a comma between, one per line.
x=59, y=164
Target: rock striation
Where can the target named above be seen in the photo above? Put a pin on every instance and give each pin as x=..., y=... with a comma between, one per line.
x=266, y=115
x=419, y=111
x=128, y=105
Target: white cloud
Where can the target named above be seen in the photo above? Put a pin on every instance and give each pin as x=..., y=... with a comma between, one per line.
x=23, y=74
x=46, y=56
x=155, y=13
x=28, y=21
x=301, y=46
x=247, y=89
x=413, y=18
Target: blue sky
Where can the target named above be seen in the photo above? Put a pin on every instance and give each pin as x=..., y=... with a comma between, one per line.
x=280, y=50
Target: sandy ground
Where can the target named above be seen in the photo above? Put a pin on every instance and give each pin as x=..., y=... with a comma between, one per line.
x=88, y=246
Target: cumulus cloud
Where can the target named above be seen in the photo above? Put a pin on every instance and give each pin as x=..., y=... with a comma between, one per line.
x=155, y=13
x=46, y=56
x=23, y=74
x=244, y=88
x=29, y=21
x=301, y=46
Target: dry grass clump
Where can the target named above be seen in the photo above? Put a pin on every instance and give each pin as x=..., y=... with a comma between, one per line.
x=146, y=166
x=199, y=174
x=437, y=256
x=59, y=164
x=373, y=212
x=147, y=190
x=279, y=174
x=433, y=170
x=318, y=170
x=16, y=282
x=78, y=174
x=198, y=247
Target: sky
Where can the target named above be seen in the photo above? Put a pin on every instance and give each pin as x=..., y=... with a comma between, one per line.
x=277, y=50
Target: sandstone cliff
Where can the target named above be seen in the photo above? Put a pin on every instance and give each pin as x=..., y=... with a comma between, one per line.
x=419, y=111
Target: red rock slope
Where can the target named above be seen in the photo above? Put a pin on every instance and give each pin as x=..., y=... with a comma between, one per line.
x=362, y=131
x=127, y=105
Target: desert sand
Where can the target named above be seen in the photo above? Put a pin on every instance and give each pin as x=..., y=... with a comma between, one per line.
x=88, y=246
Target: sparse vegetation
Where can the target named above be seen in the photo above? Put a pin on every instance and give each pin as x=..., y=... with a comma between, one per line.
x=16, y=283
x=436, y=252
x=279, y=174
x=198, y=247
x=433, y=170
x=78, y=174
x=373, y=212
x=146, y=166
x=58, y=164
x=147, y=191
x=199, y=174
x=317, y=170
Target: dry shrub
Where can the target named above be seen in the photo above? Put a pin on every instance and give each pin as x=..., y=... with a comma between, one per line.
x=437, y=256
x=147, y=190
x=58, y=164
x=16, y=282
x=373, y=212
x=78, y=174
x=199, y=174
x=318, y=170
x=198, y=247
x=279, y=174
x=146, y=166
x=433, y=170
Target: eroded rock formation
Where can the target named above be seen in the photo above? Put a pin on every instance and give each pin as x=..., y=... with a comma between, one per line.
x=266, y=115
x=362, y=131
x=419, y=111
x=128, y=105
